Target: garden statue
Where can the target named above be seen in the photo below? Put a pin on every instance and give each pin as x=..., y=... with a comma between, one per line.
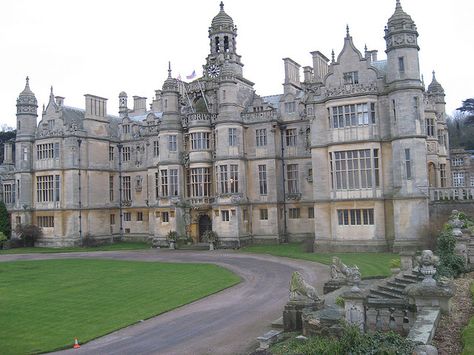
x=300, y=290
x=455, y=223
x=340, y=271
x=427, y=266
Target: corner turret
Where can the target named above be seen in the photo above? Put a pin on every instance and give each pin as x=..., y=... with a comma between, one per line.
x=26, y=112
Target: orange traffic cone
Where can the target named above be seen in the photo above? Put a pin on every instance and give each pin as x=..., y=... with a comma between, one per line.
x=76, y=344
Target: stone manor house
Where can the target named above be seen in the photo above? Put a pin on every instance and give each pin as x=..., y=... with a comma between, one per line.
x=345, y=156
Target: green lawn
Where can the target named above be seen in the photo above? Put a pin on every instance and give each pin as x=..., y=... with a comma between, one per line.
x=45, y=304
x=111, y=247
x=370, y=264
x=468, y=332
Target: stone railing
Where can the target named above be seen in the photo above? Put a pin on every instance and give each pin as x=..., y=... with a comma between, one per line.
x=257, y=116
x=200, y=201
x=451, y=193
x=389, y=314
x=199, y=119
x=351, y=89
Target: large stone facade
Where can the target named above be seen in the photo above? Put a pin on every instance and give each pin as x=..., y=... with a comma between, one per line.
x=344, y=156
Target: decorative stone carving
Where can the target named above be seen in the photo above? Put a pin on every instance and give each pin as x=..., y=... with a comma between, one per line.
x=340, y=271
x=455, y=223
x=427, y=262
x=300, y=290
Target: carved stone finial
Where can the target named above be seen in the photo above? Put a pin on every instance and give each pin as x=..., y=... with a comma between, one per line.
x=221, y=5
x=347, y=31
x=332, y=56
x=169, y=69
x=398, y=5
x=428, y=262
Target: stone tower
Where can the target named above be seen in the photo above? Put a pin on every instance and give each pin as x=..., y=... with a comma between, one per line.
x=27, y=107
x=408, y=137
x=222, y=38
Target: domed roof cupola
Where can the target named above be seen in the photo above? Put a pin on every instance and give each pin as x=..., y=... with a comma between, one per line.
x=222, y=21
x=170, y=83
x=400, y=30
x=26, y=102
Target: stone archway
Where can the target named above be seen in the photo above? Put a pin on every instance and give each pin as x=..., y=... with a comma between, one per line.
x=205, y=224
x=432, y=175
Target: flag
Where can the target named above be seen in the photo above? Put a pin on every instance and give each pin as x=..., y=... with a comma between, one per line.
x=192, y=76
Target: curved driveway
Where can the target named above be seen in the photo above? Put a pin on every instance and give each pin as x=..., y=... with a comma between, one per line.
x=227, y=322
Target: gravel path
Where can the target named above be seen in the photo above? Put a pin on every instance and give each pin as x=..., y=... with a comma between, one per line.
x=448, y=334
x=224, y=323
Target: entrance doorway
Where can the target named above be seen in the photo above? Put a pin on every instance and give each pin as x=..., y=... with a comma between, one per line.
x=205, y=224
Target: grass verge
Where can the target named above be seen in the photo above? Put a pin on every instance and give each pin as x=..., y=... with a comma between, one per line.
x=109, y=247
x=45, y=304
x=468, y=332
x=370, y=264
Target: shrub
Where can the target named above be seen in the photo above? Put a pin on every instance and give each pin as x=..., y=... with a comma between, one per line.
x=89, y=242
x=450, y=264
x=172, y=236
x=28, y=234
x=352, y=341
x=340, y=301
x=210, y=237
x=5, y=226
x=3, y=239
x=395, y=264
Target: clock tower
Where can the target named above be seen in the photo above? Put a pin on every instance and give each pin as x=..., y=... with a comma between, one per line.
x=222, y=34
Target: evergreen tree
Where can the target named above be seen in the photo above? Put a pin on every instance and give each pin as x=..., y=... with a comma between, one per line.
x=5, y=226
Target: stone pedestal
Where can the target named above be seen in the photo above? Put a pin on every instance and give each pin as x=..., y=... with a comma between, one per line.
x=292, y=314
x=333, y=285
x=406, y=260
x=422, y=295
x=354, y=307
x=461, y=248
x=324, y=322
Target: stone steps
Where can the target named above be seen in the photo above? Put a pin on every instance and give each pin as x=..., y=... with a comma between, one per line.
x=394, y=288
x=380, y=293
x=390, y=289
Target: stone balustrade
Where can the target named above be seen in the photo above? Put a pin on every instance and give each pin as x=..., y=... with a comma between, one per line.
x=261, y=115
x=451, y=193
x=389, y=314
x=199, y=201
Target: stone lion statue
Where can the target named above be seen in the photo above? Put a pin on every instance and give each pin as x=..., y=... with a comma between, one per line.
x=301, y=290
x=342, y=272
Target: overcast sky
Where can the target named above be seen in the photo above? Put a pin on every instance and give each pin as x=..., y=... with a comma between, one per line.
x=104, y=47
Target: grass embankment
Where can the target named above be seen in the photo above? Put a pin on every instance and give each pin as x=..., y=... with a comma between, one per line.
x=370, y=264
x=468, y=332
x=45, y=304
x=109, y=247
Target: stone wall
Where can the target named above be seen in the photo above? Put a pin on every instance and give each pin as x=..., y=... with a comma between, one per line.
x=441, y=210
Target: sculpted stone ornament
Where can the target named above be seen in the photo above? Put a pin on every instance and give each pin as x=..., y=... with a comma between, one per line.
x=456, y=223
x=300, y=290
x=340, y=271
x=427, y=262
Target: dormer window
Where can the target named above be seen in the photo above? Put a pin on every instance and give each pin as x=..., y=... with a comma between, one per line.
x=126, y=129
x=351, y=77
